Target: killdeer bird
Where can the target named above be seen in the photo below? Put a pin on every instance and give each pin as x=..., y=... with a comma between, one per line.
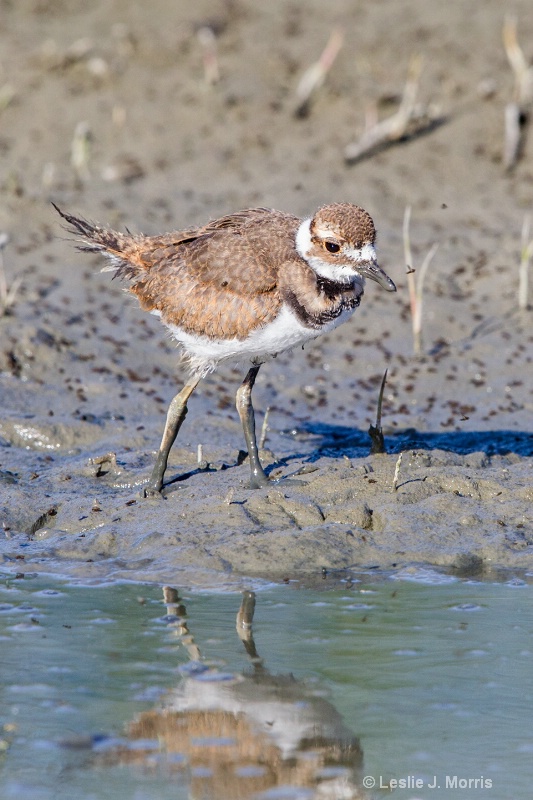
x=242, y=288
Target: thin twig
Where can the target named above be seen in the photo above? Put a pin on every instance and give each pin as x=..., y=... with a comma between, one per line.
x=408, y=256
x=7, y=94
x=526, y=252
x=397, y=473
x=406, y=237
x=516, y=112
x=315, y=75
x=523, y=72
x=228, y=500
x=415, y=286
x=206, y=37
x=512, y=142
x=79, y=153
x=417, y=319
x=200, y=460
x=7, y=295
x=264, y=429
x=407, y=120
x=376, y=431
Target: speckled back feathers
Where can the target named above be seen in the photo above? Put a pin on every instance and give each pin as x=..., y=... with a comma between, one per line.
x=232, y=275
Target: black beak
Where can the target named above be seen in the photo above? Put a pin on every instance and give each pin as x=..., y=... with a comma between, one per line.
x=373, y=271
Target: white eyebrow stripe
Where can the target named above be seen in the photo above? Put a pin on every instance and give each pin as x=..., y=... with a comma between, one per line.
x=365, y=253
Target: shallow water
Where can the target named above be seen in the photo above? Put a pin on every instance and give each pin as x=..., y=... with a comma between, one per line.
x=108, y=692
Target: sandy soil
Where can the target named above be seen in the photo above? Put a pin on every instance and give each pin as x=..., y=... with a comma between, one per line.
x=84, y=373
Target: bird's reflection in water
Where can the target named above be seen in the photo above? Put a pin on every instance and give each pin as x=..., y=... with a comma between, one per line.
x=239, y=736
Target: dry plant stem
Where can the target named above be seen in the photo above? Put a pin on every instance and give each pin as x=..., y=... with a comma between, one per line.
x=417, y=319
x=7, y=94
x=415, y=286
x=314, y=77
x=264, y=429
x=376, y=431
x=79, y=153
x=523, y=72
x=516, y=111
x=394, y=127
x=7, y=295
x=229, y=497
x=208, y=43
x=408, y=257
x=525, y=258
x=513, y=135
x=397, y=473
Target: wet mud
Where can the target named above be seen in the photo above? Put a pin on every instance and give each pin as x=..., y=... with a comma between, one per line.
x=106, y=111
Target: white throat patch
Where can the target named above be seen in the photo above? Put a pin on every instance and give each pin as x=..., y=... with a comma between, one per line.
x=303, y=239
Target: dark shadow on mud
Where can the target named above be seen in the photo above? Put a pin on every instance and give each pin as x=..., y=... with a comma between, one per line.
x=338, y=440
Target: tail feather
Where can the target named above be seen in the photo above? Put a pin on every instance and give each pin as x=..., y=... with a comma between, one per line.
x=122, y=250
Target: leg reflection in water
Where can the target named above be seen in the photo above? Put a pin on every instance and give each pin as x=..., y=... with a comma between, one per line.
x=236, y=735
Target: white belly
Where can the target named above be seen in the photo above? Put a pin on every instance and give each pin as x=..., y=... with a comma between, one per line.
x=284, y=333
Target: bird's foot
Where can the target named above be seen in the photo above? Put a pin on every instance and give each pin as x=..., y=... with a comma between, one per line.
x=151, y=494
x=259, y=481
x=152, y=489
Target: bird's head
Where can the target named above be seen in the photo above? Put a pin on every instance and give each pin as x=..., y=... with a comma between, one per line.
x=339, y=244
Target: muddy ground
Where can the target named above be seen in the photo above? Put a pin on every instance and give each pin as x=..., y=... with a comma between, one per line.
x=105, y=109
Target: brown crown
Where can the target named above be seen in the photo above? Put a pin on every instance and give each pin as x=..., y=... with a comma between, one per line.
x=351, y=223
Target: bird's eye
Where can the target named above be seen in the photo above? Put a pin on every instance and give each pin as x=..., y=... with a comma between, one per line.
x=332, y=247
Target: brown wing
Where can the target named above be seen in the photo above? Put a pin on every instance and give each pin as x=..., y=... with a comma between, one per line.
x=200, y=250
x=240, y=252
x=204, y=309
x=222, y=279
x=218, y=280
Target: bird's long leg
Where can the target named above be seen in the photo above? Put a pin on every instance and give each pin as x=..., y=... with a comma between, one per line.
x=246, y=413
x=177, y=411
